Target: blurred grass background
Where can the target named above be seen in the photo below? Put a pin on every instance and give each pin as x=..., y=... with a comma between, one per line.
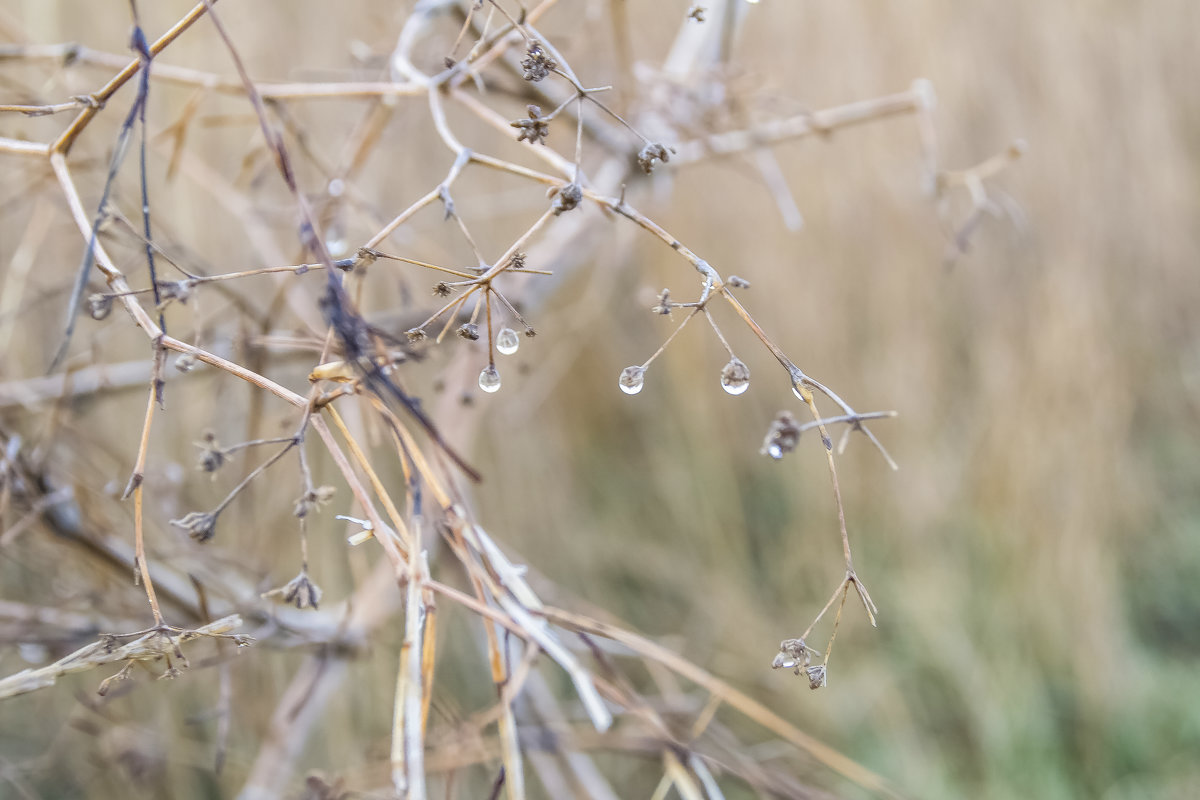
x=1034, y=559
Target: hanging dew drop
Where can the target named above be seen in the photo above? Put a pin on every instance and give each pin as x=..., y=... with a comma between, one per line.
x=632, y=379
x=507, y=341
x=735, y=377
x=775, y=451
x=489, y=379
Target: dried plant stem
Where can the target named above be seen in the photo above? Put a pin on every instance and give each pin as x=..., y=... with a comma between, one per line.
x=137, y=489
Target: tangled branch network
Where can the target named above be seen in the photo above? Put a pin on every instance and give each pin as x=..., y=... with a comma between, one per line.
x=579, y=146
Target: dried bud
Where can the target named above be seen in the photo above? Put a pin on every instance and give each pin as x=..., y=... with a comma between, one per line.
x=469, y=330
x=415, y=335
x=816, y=676
x=664, y=305
x=537, y=64
x=697, y=13
x=212, y=457
x=313, y=500
x=533, y=129
x=200, y=525
x=651, y=153
x=517, y=261
x=735, y=282
x=782, y=437
x=100, y=305
x=567, y=198
x=185, y=363
x=302, y=592
x=442, y=289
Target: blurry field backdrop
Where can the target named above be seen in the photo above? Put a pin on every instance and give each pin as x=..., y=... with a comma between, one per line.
x=1035, y=558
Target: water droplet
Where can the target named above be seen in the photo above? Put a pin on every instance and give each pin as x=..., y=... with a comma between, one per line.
x=775, y=451
x=335, y=241
x=796, y=391
x=489, y=379
x=735, y=377
x=507, y=341
x=632, y=380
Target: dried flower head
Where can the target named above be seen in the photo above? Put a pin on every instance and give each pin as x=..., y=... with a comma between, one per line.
x=651, y=153
x=302, y=592
x=664, y=304
x=442, y=289
x=537, y=64
x=782, y=437
x=469, y=330
x=517, y=261
x=533, y=129
x=313, y=500
x=200, y=525
x=567, y=198
x=185, y=363
x=415, y=335
x=816, y=676
x=100, y=305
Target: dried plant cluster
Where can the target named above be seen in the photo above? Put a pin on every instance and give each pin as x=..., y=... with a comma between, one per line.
x=371, y=421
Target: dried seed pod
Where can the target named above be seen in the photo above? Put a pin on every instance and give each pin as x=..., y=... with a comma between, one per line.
x=651, y=153
x=212, y=457
x=302, y=592
x=664, y=304
x=200, y=525
x=782, y=437
x=469, y=331
x=567, y=198
x=537, y=64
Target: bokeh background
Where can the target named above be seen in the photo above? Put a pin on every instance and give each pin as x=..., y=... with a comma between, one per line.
x=1034, y=559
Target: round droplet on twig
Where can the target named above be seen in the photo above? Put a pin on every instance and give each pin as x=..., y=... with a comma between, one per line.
x=489, y=379
x=735, y=377
x=507, y=341
x=632, y=379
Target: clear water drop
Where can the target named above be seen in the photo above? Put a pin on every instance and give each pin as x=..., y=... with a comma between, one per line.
x=335, y=241
x=775, y=451
x=735, y=377
x=632, y=379
x=489, y=379
x=507, y=341
x=796, y=391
